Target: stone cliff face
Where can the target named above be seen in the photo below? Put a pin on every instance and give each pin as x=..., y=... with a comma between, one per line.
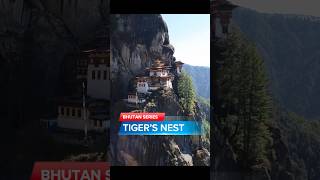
x=79, y=17
x=156, y=150
x=136, y=40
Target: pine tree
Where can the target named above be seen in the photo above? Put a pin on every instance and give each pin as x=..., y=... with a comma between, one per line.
x=186, y=93
x=244, y=101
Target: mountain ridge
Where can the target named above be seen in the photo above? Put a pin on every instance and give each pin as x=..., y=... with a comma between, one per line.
x=201, y=79
x=289, y=47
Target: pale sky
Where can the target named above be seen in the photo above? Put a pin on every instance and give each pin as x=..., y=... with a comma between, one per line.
x=190, y=36
x=300, y=7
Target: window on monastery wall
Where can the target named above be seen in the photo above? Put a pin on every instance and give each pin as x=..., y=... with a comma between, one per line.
x=97, y=123
x=105, y=75
x=79, y=112
x=73, y=112
x=62, y=111
x=99, y=75
x=68, y=111
x=93, y=75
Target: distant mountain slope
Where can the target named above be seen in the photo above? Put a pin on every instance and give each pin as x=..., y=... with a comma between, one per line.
x=201, y=79
x=290, y=46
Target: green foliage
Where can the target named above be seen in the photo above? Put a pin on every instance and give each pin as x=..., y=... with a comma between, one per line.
x=150, y=107
x=203, y=101
x=201, y=79
x=290, y=47
x=244, y=111
x=302, y=137
x=186, y=93
x=206, y=129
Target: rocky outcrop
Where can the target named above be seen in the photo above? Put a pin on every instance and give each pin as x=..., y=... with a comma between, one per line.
x=175, y=156
x=201, y=157
x=156, y=150
x=136, y=41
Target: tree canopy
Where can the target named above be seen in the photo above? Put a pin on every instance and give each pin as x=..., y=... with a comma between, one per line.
x=186, y=93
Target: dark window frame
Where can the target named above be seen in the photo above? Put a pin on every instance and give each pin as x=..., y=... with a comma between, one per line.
x=68, y=111
x=73, y=112
x=62, y=110
x=105, y=75
x=99, y=75
x=93, y=74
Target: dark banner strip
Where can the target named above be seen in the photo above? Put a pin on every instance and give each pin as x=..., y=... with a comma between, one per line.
x=160, y=6
x=160, y=172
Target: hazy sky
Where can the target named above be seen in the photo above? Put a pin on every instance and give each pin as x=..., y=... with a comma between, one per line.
x=301, y=7
x=190, y=36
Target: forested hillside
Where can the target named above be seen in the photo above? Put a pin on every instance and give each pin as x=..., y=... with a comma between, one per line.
x=201, y=79
x=289, y=45
x=267, y=113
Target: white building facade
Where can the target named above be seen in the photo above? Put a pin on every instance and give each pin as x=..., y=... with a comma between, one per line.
x=134, y=98
x=72, y=117
x=143, y=85
x=178, y=65
x=159, y=72
x=159, y=77
x=98, y=77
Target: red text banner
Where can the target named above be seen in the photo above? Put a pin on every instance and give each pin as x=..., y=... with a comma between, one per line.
x=127, y=117
x=71, y=171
